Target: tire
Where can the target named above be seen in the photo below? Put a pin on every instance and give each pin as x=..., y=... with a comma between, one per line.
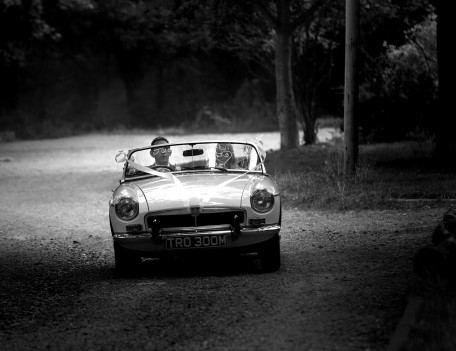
x=127, y=264
x=270, y=255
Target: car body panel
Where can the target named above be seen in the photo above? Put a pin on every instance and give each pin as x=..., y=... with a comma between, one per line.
x=196, y=190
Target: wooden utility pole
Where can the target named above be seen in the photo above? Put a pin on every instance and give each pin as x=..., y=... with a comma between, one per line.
x=351, y=86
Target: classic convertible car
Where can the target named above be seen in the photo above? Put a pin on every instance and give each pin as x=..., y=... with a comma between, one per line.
x=195, y=198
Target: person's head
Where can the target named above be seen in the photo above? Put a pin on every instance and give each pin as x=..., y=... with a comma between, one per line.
x=161, y=155
x=159, y=140
x=224, y=156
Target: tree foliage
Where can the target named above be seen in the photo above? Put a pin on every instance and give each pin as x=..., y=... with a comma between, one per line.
x=316, y=44
x=401, y=92
x=88, y=64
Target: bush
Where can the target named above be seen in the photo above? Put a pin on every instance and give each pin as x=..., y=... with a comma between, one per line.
x=403, y=97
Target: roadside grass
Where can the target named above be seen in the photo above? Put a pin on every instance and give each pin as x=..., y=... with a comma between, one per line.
x=388, y=176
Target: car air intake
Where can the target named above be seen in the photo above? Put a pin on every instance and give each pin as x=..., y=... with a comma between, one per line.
x=187, y=220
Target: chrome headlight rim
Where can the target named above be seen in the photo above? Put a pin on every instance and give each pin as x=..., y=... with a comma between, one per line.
x=257, y=199
x=122, y=210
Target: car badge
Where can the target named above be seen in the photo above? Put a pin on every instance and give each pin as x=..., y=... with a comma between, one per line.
x=195, y=211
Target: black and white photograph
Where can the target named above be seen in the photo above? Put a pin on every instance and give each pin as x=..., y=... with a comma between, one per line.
x=225, y=175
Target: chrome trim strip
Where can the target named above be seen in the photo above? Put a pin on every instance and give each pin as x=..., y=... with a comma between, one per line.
x=204, y=228
x=186, y=211
x=218, y=232
x=132, y=236
x=244, y=231
x=267, y=228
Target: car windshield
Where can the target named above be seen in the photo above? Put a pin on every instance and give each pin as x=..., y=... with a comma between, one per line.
x=209, y=156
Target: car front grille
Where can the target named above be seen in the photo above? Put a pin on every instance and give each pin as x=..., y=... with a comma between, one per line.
x=164, y=220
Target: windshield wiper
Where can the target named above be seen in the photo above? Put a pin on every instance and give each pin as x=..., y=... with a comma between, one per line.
x=219, y=168
x=204, y=168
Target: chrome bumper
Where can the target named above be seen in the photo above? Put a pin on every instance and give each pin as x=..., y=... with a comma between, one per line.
x=248, y=231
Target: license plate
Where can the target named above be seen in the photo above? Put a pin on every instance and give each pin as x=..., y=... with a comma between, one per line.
x=195, y=241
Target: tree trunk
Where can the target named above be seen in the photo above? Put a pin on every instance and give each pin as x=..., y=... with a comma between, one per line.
x=8, y=96
x=286, y=113
x=304, y=105
x=310, y=135
x=351, y=86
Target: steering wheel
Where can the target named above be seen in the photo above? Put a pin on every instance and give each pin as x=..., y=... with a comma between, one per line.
x=167, y=168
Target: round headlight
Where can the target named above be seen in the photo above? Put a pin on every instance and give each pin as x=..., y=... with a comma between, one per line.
x=127, y=208
x=262, y=200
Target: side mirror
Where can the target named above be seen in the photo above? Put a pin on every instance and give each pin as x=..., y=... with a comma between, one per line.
x=121, y=156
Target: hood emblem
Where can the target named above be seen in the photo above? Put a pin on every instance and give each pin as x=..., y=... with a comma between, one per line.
x=195, y=211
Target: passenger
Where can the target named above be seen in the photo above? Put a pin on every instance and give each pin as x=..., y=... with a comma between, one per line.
x=224, y=156
x=161, y=155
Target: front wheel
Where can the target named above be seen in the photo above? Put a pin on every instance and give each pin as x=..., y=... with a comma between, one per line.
x=127, y=264
x=270, y=255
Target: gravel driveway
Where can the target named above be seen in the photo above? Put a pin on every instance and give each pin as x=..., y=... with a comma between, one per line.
x=341, y=287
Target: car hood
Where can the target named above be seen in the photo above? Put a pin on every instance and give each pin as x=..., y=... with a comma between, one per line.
x=190, y=190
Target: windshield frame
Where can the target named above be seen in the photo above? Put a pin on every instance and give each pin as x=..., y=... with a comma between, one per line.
x=260, y=169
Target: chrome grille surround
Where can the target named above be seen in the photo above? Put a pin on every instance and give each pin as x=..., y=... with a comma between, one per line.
x=206, y=218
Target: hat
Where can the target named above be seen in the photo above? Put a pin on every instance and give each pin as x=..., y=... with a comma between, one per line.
x=158, y=139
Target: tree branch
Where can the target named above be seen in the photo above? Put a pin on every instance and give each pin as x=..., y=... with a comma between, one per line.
x=306, y=16
x=265, y=13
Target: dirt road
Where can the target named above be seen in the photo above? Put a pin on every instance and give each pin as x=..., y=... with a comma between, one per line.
x=341, y=287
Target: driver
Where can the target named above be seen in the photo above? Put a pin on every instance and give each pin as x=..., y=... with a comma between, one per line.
x=161, y=155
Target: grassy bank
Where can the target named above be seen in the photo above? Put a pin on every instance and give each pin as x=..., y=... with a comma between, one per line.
x=388, y=175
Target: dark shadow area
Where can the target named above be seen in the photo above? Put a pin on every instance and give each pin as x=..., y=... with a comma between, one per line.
x=35, y=282
x=205, y=266
x=30, y=285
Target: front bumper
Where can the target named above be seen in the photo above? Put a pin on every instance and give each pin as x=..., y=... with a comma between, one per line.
x=148, y=244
